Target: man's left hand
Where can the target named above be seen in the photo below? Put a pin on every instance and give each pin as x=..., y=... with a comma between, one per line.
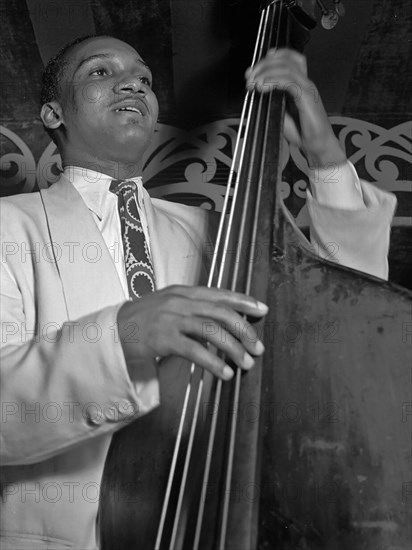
x=286, y=70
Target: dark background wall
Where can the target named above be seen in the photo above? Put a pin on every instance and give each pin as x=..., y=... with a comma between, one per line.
x=198, y=51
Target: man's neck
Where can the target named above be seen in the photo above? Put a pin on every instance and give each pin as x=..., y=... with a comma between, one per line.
x=115, y=169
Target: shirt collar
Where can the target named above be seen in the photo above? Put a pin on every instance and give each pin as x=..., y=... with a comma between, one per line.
x=94, y=187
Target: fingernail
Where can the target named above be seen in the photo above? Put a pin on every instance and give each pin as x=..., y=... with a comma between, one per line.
x=259, y=348
x=262, y=306
x=247, y=361
x=227, y=372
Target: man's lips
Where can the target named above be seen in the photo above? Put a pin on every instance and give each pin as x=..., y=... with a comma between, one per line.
x=131, y=106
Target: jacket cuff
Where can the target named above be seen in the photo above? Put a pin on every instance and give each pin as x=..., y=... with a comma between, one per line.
x=143, y=388
x=336, y=186
x=358, y=239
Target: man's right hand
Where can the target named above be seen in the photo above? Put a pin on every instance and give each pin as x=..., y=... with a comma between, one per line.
x=180, y=320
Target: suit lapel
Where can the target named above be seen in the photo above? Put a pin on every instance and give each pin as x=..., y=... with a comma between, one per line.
x=88, y=274
x=178, y=242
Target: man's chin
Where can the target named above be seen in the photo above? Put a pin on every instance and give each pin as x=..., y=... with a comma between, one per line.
x=129, y=145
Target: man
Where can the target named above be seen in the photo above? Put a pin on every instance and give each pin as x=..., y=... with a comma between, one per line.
x=71, y=372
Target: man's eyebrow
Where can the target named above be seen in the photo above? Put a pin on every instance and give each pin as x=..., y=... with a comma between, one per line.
x=106, y=56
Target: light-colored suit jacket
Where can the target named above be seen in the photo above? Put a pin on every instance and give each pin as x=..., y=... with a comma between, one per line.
x=65, y=387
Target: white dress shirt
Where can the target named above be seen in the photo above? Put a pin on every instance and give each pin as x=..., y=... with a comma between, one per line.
x=103, y=204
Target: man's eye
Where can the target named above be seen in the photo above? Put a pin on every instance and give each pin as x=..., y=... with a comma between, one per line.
x=146, y=80
x=99, y=72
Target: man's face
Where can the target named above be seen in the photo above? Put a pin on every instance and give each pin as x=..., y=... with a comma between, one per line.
x=109, y=109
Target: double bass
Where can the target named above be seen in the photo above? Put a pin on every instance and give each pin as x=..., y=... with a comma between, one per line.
x=311, y=448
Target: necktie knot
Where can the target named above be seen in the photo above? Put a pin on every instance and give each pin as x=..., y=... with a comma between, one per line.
x=122, y=187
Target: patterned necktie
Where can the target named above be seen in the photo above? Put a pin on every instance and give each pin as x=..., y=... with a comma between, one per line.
x=139, y=268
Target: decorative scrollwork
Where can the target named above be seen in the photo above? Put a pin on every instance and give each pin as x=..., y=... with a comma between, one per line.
x=385, y=153
x=202, y=156
x=18, y=168
x=49, y=166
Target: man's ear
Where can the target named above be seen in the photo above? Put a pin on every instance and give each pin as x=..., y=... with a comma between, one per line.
x=52, y=115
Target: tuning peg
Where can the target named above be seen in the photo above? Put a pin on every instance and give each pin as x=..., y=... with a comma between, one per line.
x=329, y=17
x=339, y=8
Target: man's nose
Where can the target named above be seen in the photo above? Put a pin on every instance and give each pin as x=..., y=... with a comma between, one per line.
x=131, y=84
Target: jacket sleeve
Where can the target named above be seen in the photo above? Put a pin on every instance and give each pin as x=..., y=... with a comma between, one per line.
x=350, y=223
x=66, y=384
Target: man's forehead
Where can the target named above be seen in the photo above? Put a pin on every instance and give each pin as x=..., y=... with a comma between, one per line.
x=105, y=46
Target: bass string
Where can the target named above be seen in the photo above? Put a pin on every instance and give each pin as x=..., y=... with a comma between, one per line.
x=275, y=24
x=247, y=107
x=183, y=481
x=235, y=399
x=262, y=113
x=267, y=14
x=172, y=471
x=238, y=161
x=212, y=430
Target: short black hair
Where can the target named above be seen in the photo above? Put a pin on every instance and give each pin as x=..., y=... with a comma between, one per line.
x=53, y=75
